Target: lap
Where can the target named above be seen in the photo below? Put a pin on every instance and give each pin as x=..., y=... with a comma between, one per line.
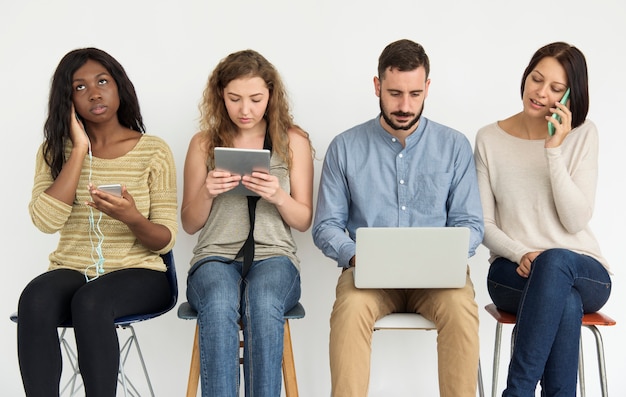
x=50, y=294
x=124, y=292
x=217, y=281
x=380, y=302
x=214, y=277
x=582, y=273
x=60, y=292
x=347, y=293
x=445, y=304
x=54, y=282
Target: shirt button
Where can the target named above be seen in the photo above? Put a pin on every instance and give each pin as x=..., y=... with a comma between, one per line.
x=400, y=155
x=403, y=208
x=402, y=181
x=393, y=139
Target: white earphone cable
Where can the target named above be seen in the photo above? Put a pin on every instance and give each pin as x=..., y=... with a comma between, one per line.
x=96, y=237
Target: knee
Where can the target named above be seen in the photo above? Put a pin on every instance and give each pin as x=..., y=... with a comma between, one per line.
x=353, y=310
x=554, y=267
x=351, y=302
x=457, y=310
x=216, y=307
x=555, y=259
x=35, y=310
x=31, y=300
x=209, y=294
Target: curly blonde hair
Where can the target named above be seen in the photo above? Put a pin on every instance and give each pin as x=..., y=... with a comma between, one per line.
x=217, y=127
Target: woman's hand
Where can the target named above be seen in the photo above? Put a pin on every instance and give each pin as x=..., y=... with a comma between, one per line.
x=561, y=128
x=526, y=262
x=78, y=135
x=218, y=182
x=121, y=208
x=266, y=186
x=152, y=235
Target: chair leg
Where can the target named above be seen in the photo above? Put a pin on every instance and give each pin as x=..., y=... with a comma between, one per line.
x=194, y=370
x=601, y=360
x=581, y=368
x=128, y=386
x=289, y=367
x=73, y=386
x=141, y=359
x=496, y=359
x=581, y=360
x=481, y=387
x=122, y=376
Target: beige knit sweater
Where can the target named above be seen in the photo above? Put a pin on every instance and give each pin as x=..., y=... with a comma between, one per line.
x=536, y=198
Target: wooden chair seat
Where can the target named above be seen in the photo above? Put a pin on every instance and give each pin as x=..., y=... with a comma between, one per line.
x=186, y=312
x=590, y=321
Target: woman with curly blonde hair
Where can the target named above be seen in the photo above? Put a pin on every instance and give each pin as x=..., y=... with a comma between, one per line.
x=245, y=106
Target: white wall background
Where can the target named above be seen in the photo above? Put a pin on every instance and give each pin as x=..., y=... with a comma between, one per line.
x=327, y=53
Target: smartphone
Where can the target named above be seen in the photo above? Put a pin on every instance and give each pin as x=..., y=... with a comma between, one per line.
x=556, y=116
x=114, y=189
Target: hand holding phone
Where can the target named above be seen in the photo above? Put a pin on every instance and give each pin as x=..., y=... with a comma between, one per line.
x=114, y=189
x=556, y=116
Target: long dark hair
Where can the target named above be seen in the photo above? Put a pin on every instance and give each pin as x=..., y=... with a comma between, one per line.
x=57, y=126
x=575, y=65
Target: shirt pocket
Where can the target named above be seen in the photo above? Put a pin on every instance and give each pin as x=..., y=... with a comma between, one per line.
x=431, y=191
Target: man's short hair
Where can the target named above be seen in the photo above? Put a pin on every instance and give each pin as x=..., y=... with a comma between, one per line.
x=404, y=55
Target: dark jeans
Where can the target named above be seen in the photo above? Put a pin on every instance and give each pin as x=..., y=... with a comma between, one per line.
x=61, y=296
x=549, y=305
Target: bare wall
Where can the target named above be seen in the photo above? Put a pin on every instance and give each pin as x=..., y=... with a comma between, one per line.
x=327, y=53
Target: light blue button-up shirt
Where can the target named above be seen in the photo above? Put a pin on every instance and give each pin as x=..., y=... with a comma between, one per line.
x=370, y=180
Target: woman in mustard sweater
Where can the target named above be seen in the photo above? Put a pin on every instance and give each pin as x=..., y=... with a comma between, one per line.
x=107, y=263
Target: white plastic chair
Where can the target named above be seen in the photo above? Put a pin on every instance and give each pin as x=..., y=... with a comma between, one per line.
x=416, y=322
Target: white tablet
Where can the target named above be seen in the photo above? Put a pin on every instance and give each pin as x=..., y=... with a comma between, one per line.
x=242, y=162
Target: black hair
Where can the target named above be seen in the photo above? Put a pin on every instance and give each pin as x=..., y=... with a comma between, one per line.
x=57, y=125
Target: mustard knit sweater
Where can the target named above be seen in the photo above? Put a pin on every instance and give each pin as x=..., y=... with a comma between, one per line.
x=148, y=171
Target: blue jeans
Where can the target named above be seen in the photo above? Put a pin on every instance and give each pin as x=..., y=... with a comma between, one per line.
x=549, y=304
x=222, y=298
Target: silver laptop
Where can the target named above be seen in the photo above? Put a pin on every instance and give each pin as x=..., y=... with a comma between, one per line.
x=411, y=257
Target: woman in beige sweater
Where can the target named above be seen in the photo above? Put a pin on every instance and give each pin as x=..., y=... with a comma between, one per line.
x=538, y=193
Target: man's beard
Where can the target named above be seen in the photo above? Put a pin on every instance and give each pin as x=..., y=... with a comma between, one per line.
x=394, y=125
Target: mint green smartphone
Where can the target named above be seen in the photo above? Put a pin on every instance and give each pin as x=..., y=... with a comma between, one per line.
x=556, y=116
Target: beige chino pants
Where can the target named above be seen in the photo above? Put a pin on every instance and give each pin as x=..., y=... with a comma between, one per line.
x=454, y=311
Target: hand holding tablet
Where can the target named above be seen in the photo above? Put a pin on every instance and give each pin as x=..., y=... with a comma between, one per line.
x=242, y=162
